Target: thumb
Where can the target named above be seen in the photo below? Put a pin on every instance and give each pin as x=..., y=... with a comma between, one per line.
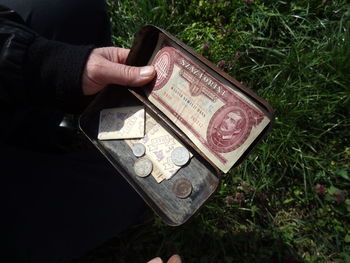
x=115, y=73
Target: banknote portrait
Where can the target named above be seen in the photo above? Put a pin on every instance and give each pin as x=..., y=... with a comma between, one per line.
x=228, y=129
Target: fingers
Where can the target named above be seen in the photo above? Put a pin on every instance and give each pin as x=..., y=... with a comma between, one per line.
x=104, y=66
x=156, y=260
x=115, y=73
x=114, y=54
x=122, y=54
x=174, y=259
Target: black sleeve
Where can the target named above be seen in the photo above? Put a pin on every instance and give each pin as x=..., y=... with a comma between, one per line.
x=34, y=69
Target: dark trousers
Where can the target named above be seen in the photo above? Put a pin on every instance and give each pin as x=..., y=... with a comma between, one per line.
x=54, y=206
x=80, y=22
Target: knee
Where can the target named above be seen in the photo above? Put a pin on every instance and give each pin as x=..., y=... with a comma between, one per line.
x=67, y=7
x=68, y=11
x=70, y=21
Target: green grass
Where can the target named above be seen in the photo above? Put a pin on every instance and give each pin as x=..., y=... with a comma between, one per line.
x=296, y=55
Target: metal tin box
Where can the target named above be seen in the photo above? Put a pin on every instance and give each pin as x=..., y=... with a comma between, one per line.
x=202, y=173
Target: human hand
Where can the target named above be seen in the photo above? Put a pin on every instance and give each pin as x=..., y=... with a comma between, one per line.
x=173, y=259
x=106, y=66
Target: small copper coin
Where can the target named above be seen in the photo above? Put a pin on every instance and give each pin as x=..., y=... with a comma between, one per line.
x=182, y=188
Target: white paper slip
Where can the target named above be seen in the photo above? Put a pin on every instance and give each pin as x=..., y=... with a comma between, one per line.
x=122, y=123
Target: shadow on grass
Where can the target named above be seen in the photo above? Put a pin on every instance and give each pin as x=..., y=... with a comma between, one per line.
x=194, y=242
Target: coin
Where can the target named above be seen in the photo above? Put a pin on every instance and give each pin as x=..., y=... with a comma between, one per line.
x=138, y=149
x=143, y=167
x=182, y=188
x=180, y=156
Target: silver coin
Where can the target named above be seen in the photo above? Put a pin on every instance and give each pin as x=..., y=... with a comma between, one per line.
x=182, y=188
x=143, y=167
x=138, y=149
x=180, y=156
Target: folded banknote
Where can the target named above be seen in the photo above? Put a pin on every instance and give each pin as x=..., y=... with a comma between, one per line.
x=216, y=116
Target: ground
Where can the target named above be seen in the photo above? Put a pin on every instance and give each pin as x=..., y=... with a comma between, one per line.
x=289, y=200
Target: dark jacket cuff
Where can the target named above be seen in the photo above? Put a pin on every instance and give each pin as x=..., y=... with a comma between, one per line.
x=57, y=69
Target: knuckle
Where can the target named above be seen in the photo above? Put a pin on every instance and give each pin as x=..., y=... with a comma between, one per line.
x=129, y=75
x=94, y=70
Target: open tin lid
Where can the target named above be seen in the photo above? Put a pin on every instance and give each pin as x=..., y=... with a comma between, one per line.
x=201, y=171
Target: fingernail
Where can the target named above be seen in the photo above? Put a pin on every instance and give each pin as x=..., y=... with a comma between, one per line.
x=178, y=259
x=156, y=260
x=175, y=259
x=147, y=71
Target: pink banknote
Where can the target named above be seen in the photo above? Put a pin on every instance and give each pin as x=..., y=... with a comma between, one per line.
x=217, y=117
